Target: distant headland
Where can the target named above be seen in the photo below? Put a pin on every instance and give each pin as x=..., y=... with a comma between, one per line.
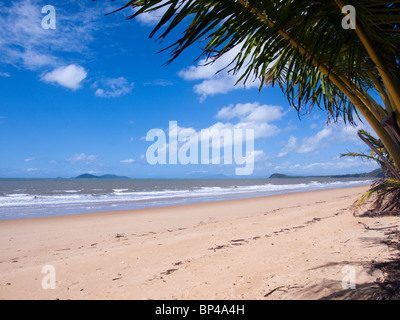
x=378, y=173
x=104, y=176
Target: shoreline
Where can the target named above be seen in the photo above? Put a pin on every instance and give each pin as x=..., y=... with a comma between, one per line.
x=94, y=207
x=228, y=249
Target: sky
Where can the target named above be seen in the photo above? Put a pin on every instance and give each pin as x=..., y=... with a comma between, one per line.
x=82, y=95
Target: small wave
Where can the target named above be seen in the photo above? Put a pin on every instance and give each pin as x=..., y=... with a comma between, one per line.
x=122, y=195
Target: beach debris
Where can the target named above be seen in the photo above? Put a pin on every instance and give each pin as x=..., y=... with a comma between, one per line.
x=63, y=249
x=382, y=228
x=273, y=290
x=169, y=271
x=117, y=278
x=218, y=247
x=238, y=242
x=365, y=226
x=120, y=235
x=281, y=287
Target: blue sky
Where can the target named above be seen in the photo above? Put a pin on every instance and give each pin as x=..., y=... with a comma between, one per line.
x=82, y=97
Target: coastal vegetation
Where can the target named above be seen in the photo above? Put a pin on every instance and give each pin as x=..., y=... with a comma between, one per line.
x=386, y=190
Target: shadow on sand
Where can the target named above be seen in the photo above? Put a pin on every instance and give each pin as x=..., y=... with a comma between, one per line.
x=386, y=285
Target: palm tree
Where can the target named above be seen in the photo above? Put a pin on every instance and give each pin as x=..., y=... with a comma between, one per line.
x=301, y=46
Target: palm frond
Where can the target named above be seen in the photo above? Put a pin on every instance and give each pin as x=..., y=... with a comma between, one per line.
x=257, y=25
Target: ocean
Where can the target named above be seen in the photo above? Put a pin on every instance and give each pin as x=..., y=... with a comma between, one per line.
x=30, y=198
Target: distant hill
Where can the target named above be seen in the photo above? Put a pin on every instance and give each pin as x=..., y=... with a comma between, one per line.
x=378, y=173
x=206, y=175
x=104, y=176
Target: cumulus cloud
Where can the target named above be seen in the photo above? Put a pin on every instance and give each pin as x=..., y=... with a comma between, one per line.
x=242, y=116
x=314, y=142
x=251, y=112
x=113, y=87
x=240, y=123
x=252, y=116
x=70, y=76
x=215, y=75
x=330, y=134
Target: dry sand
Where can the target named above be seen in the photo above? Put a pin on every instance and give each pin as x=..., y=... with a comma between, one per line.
x=291, y=246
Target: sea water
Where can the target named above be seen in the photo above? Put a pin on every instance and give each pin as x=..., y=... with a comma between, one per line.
x=28, y=198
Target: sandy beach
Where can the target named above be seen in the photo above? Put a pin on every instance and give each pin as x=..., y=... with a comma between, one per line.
x=292, y=246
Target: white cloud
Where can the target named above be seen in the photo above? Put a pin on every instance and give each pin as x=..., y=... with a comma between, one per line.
x=113, y=87
x=5, y=74
x=234, y=132
x=82, y=157
x=151, y=19
x=337, y=165
x=313, y=143
x=29, y=159
x=334, y=166
x=24, y=43
x=252, y=116
x=330, y=134
x=251, y=112
x=128, y=161
x=215, y=76
x=70, y=76
x=259, y=155
x=290, y=146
